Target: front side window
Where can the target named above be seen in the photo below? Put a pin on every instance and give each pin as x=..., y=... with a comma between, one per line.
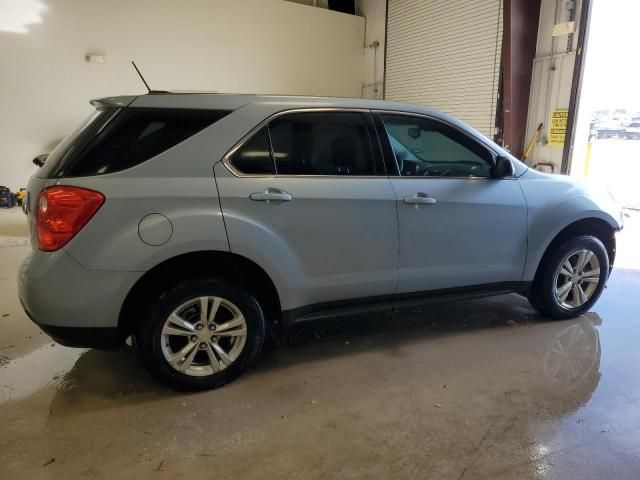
x=426, y=148
x=323, y=143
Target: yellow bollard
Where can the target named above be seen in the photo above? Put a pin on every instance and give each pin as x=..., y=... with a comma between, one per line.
x=587, y=161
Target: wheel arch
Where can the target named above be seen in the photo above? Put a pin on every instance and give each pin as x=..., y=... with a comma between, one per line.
x=193, y=264
x=597, y=227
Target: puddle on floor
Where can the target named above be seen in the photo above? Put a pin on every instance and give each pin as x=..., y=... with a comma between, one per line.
x=37, y=370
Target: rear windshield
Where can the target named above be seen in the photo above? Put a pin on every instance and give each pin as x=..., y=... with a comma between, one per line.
x=75, y=142
x=117, y=139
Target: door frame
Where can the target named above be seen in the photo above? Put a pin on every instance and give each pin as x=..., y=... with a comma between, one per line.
x=576, y=86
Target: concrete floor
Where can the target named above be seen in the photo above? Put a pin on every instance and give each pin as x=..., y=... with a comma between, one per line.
x=482, y=389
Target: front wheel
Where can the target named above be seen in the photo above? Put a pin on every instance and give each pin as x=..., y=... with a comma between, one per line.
x=201, y=334
x=571, y=279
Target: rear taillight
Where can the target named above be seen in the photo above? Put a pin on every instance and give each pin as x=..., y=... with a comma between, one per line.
x=61, y=212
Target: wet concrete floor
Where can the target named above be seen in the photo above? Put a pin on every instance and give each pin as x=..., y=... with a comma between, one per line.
x=483, y=389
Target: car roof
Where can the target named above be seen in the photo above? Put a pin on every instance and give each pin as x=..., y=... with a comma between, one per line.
x=233, y=101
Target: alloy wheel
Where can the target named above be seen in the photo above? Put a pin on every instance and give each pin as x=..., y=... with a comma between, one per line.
x=203, y=336
x=577, y=278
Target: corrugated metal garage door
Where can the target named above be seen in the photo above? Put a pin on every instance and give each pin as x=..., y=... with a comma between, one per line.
x=446, y=54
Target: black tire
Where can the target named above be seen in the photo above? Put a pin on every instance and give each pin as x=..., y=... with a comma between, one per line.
x=149, y=333
x=543, y=291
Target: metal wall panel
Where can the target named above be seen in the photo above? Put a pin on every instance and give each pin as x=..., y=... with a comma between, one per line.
x=551, y=81
x=446, y=54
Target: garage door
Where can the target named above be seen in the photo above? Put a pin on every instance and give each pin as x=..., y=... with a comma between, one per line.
x=446, y=54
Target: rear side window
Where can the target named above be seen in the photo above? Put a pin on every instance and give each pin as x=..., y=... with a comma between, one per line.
x=135, y=135
x=68, y=148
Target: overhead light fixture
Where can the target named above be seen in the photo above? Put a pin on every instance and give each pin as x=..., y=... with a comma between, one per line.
x=17, y=15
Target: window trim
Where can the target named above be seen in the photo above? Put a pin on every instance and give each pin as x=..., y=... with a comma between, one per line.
x=264, y=123
x=386, y=144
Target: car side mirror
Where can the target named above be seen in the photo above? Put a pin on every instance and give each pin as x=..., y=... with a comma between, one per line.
x=503, y=168
x=40, y=159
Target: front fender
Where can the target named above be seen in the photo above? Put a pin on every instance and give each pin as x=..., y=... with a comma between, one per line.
x=554, y=203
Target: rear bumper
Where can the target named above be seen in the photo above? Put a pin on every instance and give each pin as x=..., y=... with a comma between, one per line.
x=107, y=338
x=75, y=306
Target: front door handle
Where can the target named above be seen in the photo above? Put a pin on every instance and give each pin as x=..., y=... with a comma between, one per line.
x=271, y=195
x=420, y=198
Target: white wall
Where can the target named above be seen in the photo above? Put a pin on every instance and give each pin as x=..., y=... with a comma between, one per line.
x=258, y=46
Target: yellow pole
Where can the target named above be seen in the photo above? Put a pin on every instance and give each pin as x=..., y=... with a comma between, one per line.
x=532, y=142
x=587, y=161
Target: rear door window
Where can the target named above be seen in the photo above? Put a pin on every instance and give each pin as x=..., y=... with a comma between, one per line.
x=323, y=143
x=254, y=157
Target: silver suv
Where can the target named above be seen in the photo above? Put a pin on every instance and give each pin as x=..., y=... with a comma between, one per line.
x=194, y=222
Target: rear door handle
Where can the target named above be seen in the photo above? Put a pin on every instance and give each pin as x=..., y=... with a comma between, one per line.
x=271, y=195
x=420, y=198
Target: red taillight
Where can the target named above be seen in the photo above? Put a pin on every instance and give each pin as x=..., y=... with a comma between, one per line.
x=61, y=212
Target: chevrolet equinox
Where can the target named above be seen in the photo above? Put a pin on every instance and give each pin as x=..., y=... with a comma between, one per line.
x=194, y=222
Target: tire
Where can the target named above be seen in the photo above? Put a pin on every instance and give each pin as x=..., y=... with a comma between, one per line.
x=163, y=336
x=550, y=284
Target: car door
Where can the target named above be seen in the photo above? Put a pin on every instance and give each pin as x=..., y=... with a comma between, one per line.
x=458, y=226
x=306, y=196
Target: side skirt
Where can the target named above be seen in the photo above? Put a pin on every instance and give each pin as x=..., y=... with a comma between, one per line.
x=346, y=308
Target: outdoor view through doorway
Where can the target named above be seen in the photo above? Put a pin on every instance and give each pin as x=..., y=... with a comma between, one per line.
x=607, y=141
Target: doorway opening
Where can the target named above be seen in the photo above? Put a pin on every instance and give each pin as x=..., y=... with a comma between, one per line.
x=607, y=135
x=606, y=146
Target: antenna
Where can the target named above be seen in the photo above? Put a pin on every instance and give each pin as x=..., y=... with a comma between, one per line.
x=141, y=77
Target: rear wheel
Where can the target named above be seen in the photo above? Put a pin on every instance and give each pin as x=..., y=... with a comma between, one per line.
x=201, y=334
x=571, y=279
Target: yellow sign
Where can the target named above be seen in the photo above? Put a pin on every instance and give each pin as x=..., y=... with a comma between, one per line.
x=558, y=127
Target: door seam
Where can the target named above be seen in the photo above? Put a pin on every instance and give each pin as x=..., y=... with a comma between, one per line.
x=526, y=252
x=224, y=220
x=395, y=196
